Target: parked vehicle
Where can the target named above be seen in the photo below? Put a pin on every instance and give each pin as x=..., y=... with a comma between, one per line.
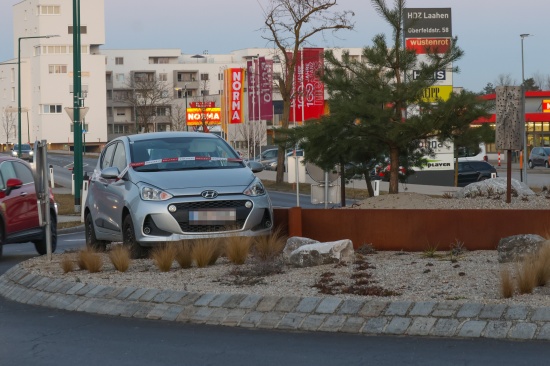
x=465, y=154
x=26, y=152
x=271, y=164
x=474, y=171
x=19, y=217
x=168, y=186
x=539, y=156
x=267, y=155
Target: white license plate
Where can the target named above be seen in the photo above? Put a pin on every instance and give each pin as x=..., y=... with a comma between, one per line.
x=212, y=217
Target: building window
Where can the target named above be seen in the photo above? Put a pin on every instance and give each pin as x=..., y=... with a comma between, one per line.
x=158, y=60
x=120, y=129
x=13, y=94
x=204, y=77
x=108, y=77
x=120, y=112
x=163, y=111
x=49, y=9
x=163, y=77
x=220, y=76
x=52, y=108
x=57, y=69
x=12, y=75
x=84, y=127
x=109, y=112
x=120, y=78
x=119, y=60
x=83, y=29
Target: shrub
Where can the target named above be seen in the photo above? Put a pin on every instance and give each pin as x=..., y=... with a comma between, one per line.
x=506, y=284
x=203, y=251
x=527, y=276
x=542, y=265
x=268, y=247
x=90, y=260
x=218, y=250
x=67, y=264
x=430, y=251
x=120, y=258
x=183, y=254
x=237, y=248
x=163, y=255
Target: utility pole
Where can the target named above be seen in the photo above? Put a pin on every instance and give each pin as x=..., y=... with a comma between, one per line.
x=77, y=104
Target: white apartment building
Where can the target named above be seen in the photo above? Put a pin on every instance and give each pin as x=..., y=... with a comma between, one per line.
x=108, y=77
x=47, y=73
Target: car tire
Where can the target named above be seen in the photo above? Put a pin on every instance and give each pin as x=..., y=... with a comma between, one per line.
x=40, y=245
x=530, y=163
x=91, y=240
x=129, y=239
x=546, y=165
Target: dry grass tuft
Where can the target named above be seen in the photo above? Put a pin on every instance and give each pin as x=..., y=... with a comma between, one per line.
x=90, y=260
x=237, y=248
x=268, y=247
x=183, y=254
x=506, y=284
x=67, y=264
x=542, y=265
x=163, y=255
x=527, y=276
x=203, y=251
x=120, y=257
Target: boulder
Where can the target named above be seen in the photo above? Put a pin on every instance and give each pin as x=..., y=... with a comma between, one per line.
x=517, y=247
x=495, y=186
x=322, y=253
x=294, y=243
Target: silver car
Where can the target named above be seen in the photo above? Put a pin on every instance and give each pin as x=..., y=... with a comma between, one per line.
x=170, y=186
x=26, y=152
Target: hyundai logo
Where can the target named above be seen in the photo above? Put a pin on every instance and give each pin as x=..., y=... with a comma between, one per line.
x=209, y=194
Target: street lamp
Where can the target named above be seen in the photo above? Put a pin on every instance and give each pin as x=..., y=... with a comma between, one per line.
x=19, y=88
x=523, y=108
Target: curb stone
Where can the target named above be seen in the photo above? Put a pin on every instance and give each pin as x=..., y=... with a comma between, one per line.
x=289, y=313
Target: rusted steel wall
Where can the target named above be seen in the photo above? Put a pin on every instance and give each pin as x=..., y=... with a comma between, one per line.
x=416, y=230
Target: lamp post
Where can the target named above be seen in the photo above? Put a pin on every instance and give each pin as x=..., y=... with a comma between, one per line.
x=77, y=104
x=523, y=109
x=19, y=88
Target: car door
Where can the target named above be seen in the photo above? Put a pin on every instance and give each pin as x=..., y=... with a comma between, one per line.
x=20, y=206
x=466, y=174
x=537, y=156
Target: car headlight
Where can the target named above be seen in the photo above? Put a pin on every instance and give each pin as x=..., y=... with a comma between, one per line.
x=14, y=153
x=256, y=188
x=154, y=194
x=31, y=153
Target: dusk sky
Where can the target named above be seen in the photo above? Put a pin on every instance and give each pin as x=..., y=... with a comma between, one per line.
x=488, y=31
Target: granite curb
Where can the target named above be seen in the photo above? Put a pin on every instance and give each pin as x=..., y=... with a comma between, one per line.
x=290, y=313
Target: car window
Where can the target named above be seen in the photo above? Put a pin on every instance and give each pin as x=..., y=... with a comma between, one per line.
x=23, y=172
x=107, y=156
x=119, y=159
x=8, y=171
x=546, y=151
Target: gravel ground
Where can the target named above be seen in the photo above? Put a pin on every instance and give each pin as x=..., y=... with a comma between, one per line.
x=400, y=276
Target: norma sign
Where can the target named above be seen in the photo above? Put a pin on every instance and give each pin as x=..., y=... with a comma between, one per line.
x=546, y=106
x=427, y=22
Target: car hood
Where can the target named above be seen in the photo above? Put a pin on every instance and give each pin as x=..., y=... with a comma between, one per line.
x=192, y=182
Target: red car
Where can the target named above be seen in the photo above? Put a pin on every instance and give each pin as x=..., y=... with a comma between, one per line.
x=19, y=220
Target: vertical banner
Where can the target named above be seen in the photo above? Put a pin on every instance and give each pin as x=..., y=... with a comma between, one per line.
x=253, y=80
x=234, y=93
x=266, y=88
x=309, y=96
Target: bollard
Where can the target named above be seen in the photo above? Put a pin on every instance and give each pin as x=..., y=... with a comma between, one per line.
x=376, y=188
x=85, y=182
x=493, y=175
x=52, y=183
x=72, y=184
x=499, y=158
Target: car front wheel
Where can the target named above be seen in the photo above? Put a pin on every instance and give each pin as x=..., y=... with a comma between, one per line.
x=530, y=163
x=91, y=240
x=129, y=239
x=40, y=245
x=546, y=165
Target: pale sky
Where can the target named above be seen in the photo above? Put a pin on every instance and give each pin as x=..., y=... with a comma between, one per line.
x=488, y=31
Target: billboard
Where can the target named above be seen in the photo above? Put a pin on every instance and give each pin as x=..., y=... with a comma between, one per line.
x=234, y=94
x=260, y=89
x=309, y=90
x=427, y=22
x=211, y=116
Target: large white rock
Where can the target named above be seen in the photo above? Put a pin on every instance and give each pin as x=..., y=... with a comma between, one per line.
x=496, y=186
x=294, y=243
x=322, y=253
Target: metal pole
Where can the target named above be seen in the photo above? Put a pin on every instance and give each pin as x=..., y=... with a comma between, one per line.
x=77, y=91
x=185, y=90
x=525, y=152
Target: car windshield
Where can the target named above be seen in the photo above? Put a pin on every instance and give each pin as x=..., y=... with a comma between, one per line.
x=183, y=154
x=23, y=147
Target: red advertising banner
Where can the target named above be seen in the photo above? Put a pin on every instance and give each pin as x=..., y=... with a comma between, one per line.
x=428, y=45
x=266, y=88
x=253, y=80
x=234, y=94
x=309, y=91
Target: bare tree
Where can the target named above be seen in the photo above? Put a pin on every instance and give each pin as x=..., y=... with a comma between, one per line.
x=8, y=125
x=505, y=80
x=254, y=133
x=540, y=80
x=178, y=117
x=145, y=94
x=290, y=24
x=204, y=103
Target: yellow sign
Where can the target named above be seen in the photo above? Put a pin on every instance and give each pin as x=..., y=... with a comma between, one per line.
x=546, y=106
x=433, y=93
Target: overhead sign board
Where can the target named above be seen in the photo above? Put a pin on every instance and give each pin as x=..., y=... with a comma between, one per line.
x=427, y=22
x=546, y=106
x=428, y=45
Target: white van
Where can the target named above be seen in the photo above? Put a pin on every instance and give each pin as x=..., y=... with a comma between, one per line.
x=465, y=154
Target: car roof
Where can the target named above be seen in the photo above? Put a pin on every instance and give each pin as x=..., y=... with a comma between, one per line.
x=171, y=134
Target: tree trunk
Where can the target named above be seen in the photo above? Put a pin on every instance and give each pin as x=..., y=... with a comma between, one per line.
x=394, y=170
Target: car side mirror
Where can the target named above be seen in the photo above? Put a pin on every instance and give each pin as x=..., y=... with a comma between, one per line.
x=110, y=173
x=255, y=166
x=13, y=183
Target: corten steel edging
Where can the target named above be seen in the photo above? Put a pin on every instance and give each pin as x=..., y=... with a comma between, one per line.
x=417, y=230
